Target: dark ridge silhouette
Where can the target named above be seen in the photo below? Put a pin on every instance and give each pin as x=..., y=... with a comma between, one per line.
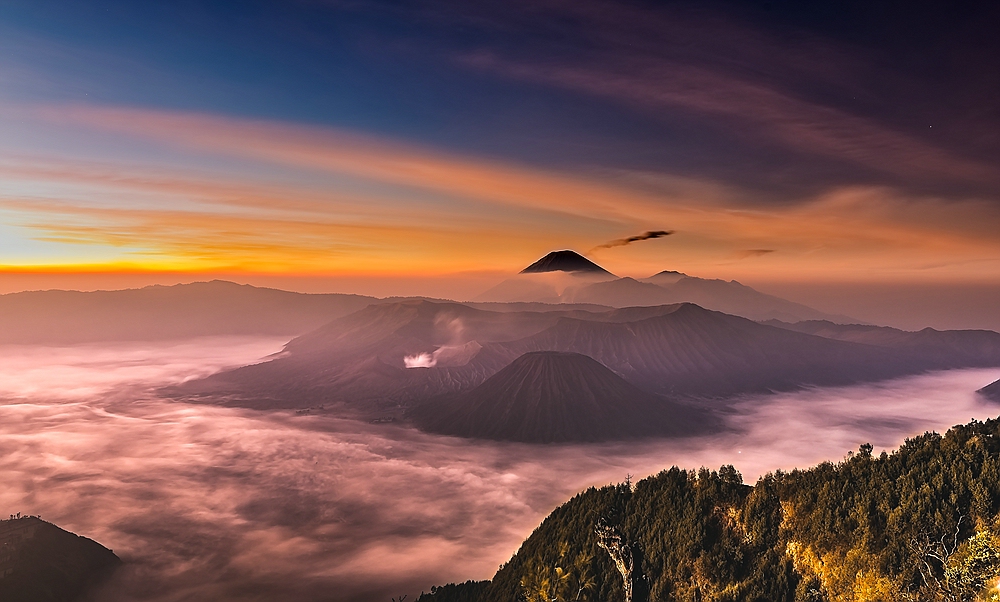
x=166, y=312
x=991, y=391
x=556, y=397
x=39, y=562
x=564, y=261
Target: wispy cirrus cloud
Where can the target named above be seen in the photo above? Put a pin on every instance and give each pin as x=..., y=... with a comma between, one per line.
x=765, y=115
x=820, y=109
x=748, y=253
x=344, y=152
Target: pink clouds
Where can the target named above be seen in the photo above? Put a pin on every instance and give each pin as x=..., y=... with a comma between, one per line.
x=211, y=502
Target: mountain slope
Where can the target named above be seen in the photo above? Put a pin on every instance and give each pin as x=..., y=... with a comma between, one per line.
x=946, y=349
x=692, y=351
x=991, y=391
x=668, y=287
x=166, y=312
x=546, y=397
x=359, y=363
x=361, y=360
x=39, y=562
x=867, y=528
x=672, y=287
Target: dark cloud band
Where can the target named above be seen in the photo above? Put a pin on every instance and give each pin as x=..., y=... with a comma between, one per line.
x=621, y=242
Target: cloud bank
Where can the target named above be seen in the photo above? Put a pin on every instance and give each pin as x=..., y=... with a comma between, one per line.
x=208, y=502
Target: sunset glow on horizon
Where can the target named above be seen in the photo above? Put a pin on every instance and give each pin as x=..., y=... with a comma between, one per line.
x=100, y=176
x=390, y=209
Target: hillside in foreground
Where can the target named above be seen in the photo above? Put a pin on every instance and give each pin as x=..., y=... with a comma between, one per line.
x=39, y=562
x=920, y=523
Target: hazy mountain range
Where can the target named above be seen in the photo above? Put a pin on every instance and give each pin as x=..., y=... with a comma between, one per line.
x=574, y=370
x=566, y=277
x=612, y=358
x=383, y=359
x=225, y=308
x=166, y=312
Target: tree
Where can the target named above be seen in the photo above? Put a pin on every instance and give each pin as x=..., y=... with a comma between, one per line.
x=957, y=571
x=568, y=581
x=625, y=555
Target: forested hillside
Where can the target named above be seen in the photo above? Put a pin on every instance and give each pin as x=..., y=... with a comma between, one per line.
x=918, y=524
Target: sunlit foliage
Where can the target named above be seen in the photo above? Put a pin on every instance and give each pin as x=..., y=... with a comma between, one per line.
x=571, y=580
x=918, y=524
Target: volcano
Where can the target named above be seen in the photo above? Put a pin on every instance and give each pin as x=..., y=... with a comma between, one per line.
x=565, y=261
x=555, y=397
x=358, y=363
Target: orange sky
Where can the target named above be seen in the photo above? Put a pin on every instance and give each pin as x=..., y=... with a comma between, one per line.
x=431, y=150
x=257, y=199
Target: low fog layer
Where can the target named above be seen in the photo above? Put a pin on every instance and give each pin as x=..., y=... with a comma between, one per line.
x=216, y=503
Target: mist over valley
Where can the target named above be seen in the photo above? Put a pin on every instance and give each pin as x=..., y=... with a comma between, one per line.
x=209, y=502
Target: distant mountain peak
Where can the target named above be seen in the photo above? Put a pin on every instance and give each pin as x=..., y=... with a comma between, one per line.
x=564, y=261
x=668, y=273
x=666, y=277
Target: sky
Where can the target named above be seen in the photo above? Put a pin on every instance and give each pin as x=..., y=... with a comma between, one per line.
x=332, y=144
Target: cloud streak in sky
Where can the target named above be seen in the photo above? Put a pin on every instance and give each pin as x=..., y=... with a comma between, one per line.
x=754, y=253
x=621, y=242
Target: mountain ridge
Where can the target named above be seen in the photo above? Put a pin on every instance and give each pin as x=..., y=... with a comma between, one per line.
x=385, y=358
x=215, y=308
x=665, y=287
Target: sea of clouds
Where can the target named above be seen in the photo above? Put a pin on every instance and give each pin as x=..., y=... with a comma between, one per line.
x=214, y=503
